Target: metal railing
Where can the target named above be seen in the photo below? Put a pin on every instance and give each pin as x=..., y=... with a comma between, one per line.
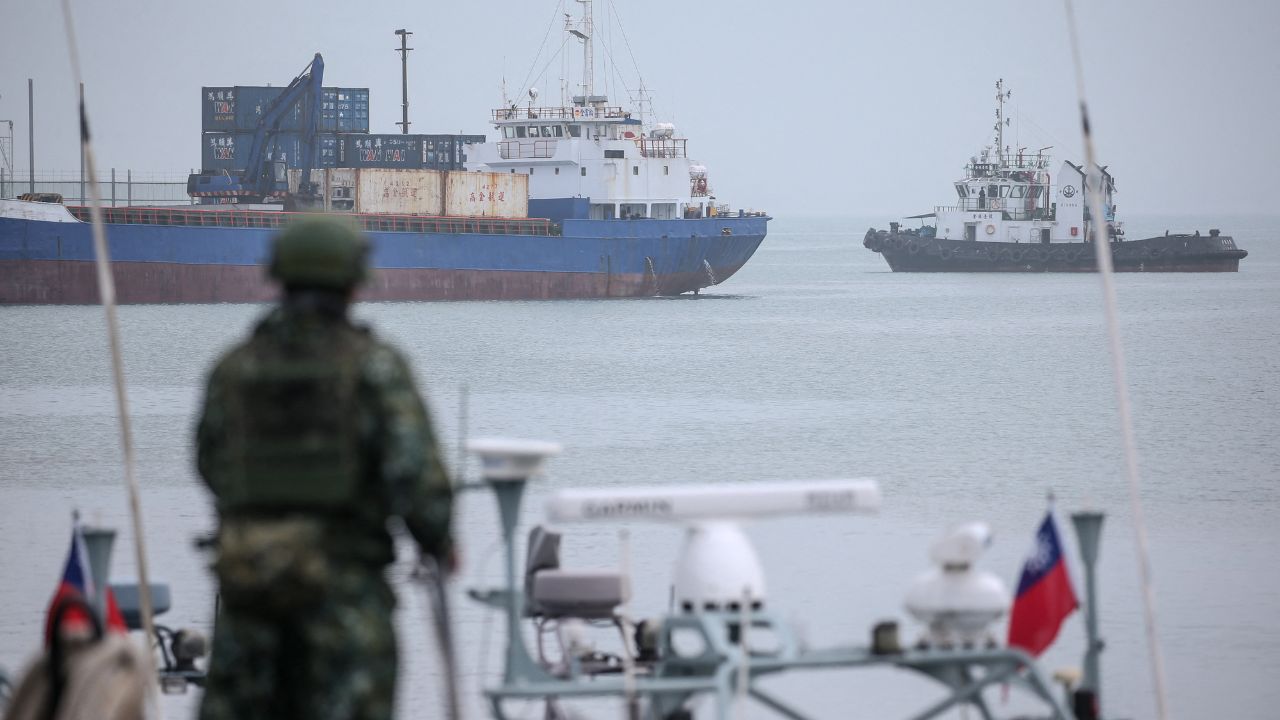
x=663, y=147
x=612, y=112
x=119, y=187
x=269, y=219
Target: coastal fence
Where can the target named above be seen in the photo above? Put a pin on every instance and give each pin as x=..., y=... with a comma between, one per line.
x=120, y=188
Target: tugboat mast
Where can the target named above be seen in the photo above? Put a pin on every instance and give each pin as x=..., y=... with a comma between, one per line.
x=1001, y=96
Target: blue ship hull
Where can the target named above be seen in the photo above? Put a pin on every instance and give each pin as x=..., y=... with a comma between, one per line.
x=45, y=262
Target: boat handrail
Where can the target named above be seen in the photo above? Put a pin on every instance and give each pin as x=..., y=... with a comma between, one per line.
x=610, y=112
x=271, y=219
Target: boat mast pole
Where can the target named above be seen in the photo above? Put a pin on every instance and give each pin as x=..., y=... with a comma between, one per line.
x=107, y=293
x=1000, y=120
x=1102, y=251
x=31, y=136
x=588, y=58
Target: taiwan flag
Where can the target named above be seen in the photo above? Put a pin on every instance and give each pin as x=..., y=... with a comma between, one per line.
x=77, y=582
x=1045, y=597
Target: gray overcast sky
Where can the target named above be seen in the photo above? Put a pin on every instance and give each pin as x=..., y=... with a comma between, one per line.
x=797, y=108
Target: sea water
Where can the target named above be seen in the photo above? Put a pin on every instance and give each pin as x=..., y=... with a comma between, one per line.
x=969, y=397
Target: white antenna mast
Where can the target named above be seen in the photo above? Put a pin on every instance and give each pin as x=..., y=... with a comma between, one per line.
x=1001, y=121
x=583, y=32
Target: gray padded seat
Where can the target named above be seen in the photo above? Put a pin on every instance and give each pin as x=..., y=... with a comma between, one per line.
x=556, y=593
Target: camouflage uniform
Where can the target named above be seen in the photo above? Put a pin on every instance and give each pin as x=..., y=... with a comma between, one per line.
x=311, y=437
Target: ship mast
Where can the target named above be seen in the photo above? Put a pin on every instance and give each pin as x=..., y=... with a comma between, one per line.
x=583, y=31
x=1001, y=120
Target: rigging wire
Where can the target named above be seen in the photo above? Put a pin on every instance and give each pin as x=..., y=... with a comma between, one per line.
x=627, y=42
x=1102, y=247
x=107, y=294
x=557, y=12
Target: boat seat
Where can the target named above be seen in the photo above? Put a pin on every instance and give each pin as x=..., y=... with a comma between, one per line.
x=556, y=593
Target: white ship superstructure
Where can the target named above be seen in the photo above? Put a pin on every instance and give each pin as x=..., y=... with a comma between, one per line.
x=1009, y=195
x=588, y=148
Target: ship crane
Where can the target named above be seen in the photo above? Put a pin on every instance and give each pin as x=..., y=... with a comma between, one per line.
x=265, y=178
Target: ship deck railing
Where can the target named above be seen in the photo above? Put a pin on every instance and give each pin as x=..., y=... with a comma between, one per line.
x=663, y=147
x=270, y=220
x=1006, y=212
x=611, y=112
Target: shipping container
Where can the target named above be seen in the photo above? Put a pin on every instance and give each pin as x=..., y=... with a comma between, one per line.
x=485, y=194
x=420, y=192
x=230, y=151
x=431, y=152
x=240, y=108
x=381, y=151
x=401, y=192
x=376, y=190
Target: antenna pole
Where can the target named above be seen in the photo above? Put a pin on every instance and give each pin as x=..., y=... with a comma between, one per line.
x=588, y=59
x=31, y=136
x=82, y=200
x=1000, y=120
x=404, y=79
x=1102, y=251
x=107, y=294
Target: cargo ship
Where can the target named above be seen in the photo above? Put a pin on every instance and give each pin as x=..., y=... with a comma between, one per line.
x=1011, y=215
x=580, y=200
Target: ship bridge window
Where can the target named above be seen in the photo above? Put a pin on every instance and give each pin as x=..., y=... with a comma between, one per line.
x=962, y=190
x=522, y=131
x=508, y=132
x=575, y=131
x=616, y=154
x=993, y=191
x=1017, y=191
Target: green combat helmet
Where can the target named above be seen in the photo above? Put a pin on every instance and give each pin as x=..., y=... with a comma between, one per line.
x=316, y=252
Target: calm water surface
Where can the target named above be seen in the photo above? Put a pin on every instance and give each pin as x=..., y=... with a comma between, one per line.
x=967, y=396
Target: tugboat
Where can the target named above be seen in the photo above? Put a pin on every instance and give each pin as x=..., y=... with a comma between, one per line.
x=1012, y=215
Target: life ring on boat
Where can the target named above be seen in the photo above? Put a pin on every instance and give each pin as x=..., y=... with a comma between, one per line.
x=991, y=229
x=993, y=203
x=945, y=253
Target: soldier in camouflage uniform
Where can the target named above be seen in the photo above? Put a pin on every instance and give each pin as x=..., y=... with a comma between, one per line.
x=313, y=436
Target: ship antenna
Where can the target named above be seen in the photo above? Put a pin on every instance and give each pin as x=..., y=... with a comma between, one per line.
x=1102, y=249
x=584, y=31
x=1001, y=120
x=107, y=294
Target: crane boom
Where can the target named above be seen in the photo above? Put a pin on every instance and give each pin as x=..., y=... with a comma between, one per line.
x=264, y=176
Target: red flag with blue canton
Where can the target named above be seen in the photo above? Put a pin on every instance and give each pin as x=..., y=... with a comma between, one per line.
x=77, y=582
x=1045, y=597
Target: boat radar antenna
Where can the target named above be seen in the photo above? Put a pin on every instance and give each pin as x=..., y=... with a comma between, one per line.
x=1001, y=120
x=717, y=567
